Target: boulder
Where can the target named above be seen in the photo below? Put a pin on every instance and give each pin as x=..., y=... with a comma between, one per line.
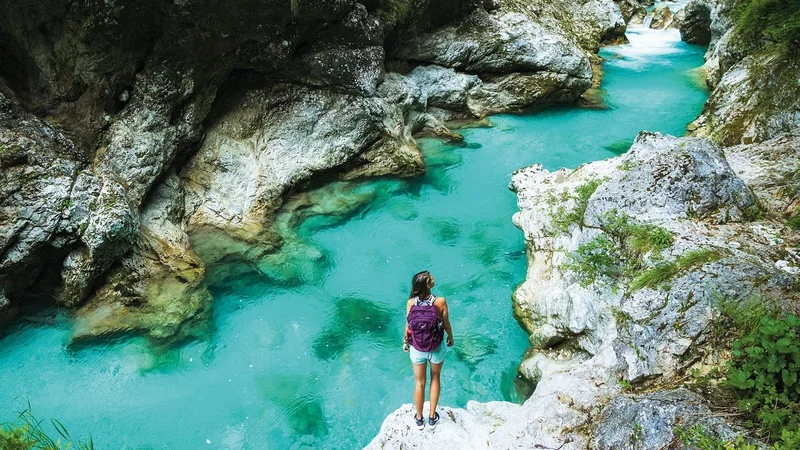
x=650, y=420
x=497, y=44
x=695, y=26
x=632, y=11
x=658, y=19
x=681, y=184
x=678, y=18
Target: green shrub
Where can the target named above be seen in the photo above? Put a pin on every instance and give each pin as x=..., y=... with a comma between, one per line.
x=789, y=440
x=638, y=238
x=764, y=371
x=697, y=437
x=794, y=221
x=744, y=314
x=620, y=252
x=598, y=260
x=562, y=217
x=696, y=258
x=775, y=21
x=791, y=183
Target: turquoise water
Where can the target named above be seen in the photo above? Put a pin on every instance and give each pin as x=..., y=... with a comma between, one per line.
x=318, y=364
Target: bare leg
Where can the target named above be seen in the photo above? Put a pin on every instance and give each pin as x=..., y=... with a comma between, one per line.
x=419, y=389
x=436, y=370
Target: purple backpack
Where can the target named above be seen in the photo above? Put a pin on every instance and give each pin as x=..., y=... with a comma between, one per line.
x=425, y=324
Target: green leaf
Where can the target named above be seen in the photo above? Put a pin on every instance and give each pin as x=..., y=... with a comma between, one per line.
x=775, y=364
x=740, y=379
x=788, y=378
x=784, y=345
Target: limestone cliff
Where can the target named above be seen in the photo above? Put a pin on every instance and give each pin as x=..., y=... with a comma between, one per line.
x=142, y=142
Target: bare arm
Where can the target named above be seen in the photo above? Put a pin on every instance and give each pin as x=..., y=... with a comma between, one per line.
x=446, y=322
x=405, y=334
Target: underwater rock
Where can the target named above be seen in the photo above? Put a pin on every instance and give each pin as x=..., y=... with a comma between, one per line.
x=353, y=318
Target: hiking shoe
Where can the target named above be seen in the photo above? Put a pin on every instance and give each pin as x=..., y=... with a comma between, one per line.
x=433, y=421
x=420, y=422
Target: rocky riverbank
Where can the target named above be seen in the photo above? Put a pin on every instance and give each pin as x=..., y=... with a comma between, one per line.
x=136, y=137
x=631, y=259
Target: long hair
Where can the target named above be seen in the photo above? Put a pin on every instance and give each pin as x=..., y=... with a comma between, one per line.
x=420, y=285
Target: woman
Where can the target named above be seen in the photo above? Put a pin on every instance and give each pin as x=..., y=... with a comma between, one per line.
x=427, y=319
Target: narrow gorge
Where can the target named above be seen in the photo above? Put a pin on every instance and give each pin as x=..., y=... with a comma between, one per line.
x=211, y=210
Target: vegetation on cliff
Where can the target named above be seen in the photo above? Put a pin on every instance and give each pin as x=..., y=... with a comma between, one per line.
x=759, y=383
x=774, y=21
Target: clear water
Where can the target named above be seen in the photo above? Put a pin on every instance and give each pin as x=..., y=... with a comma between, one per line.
x=318, y=364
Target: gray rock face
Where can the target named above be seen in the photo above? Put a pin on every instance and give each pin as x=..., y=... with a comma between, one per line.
x=648, y=421
x=674, y=178
x=54, y=210
x=135, y=85
x=5, y=309
x=158, y=288
x=518, y=62
x=497, y=44
x=695, y=26
x=588, y=24
x=667, y=181
x=746, y=105
x=770, y=169
x=633, y=12
x=276, y=138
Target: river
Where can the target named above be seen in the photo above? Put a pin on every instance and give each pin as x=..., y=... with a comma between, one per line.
x=315, y=361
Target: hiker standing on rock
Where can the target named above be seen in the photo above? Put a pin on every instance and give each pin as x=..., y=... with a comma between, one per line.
x=426, y=321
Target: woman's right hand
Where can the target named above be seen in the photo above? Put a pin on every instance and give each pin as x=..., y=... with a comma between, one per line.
x=405, y=346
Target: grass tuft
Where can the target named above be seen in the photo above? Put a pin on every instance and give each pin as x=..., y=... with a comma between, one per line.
x=661, y=273
x=665, y=271
x=27, y=433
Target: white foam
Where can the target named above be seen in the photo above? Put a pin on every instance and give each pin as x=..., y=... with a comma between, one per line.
x=645, y=44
